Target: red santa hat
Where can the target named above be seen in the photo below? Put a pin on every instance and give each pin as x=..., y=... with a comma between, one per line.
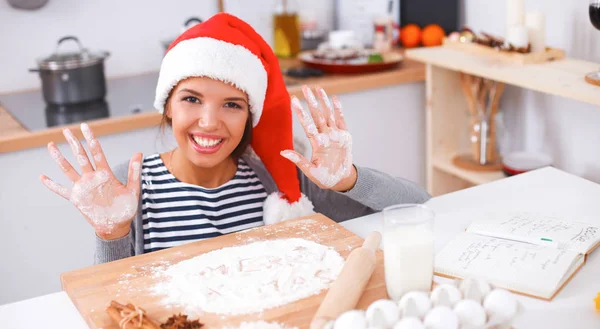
x=226, y=48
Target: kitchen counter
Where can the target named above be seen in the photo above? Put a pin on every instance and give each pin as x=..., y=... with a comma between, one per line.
x=14, y=136
x=546, y=190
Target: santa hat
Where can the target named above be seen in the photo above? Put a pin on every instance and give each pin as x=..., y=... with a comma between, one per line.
x=226, y=48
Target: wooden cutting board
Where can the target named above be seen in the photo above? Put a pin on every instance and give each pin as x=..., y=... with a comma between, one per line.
x=128, y=280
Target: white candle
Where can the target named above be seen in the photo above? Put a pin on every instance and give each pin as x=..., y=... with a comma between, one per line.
x=517, y=36
x=536, y=27
x=515, y=13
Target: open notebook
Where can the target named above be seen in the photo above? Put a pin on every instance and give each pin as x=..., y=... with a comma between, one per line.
x=526, y=253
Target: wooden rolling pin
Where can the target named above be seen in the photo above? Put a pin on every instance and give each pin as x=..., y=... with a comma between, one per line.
x=346, y=290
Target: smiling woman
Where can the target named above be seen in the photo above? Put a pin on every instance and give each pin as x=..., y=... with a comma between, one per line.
x=222, y=92
x=211, y=122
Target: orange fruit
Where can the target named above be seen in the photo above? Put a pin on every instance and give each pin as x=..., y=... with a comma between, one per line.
x=410, y=36
x=433, y=35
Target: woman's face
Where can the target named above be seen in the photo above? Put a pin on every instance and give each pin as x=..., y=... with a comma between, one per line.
x=208, y=119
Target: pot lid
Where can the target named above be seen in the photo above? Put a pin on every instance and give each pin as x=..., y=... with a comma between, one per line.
x=70, y=60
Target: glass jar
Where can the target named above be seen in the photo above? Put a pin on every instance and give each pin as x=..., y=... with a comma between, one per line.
x=286, y=30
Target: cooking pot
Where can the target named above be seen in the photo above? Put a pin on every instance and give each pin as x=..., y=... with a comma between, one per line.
x=186, y=25
x=72, y=77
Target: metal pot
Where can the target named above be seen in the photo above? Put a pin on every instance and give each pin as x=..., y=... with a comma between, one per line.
x=72, y=78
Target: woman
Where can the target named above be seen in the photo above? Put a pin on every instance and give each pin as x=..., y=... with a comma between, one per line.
x=221, y=91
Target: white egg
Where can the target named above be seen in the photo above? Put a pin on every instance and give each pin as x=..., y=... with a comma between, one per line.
x=474, y=288
x=418, y=306
x=383, y=313
x=353, y=319
x=409, y=322
x=329, y=324
x=441, y=317
x=500, y=304
x=470, y=313
x=445, y=295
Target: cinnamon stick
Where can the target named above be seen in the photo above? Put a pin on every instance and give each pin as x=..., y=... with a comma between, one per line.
x=119, y=312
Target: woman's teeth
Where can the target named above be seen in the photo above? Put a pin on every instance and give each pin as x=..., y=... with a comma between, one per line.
x=206, y=142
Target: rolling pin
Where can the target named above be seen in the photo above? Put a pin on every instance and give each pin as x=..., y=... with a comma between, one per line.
x=346, y=290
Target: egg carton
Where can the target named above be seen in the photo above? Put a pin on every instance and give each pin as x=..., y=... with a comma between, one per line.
x=464, y=304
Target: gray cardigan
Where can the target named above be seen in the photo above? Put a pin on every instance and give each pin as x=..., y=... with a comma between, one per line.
x=373, y=191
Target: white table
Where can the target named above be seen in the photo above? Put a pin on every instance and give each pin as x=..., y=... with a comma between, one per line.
x=543, y=190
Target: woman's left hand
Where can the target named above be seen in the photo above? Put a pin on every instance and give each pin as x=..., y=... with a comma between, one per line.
x=331, y=164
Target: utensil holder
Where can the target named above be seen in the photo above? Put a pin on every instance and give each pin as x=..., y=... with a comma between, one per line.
x=482, y=97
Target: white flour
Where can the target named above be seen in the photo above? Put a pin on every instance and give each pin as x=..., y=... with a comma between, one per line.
x=260, y=325
x=250, y=278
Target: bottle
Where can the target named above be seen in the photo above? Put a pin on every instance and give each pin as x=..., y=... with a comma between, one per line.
x=286, y=31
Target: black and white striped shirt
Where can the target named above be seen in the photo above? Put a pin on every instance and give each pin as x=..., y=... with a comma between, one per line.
x=175, y=213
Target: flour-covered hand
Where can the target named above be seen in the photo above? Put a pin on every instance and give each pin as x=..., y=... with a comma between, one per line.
x=108, y=205
x=331, y=164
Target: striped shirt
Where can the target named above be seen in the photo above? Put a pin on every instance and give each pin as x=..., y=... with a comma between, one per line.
x=175, y=213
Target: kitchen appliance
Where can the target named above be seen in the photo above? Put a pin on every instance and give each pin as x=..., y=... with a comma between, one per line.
x=60, y=115
x=72, y=77
x=424, y=12
x=124, y=97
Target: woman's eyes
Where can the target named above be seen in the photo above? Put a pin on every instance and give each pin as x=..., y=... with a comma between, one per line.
x=192, y=99
x=233, y=105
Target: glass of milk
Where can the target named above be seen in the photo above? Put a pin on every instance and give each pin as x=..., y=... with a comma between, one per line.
x=408, y=248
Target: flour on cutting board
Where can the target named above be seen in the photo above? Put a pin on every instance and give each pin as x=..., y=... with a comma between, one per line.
x=305, y=228
x=249, y=278
x=260, y=325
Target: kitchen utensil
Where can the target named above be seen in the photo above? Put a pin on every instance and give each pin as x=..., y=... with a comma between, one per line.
x=73, y=77
x=361, y=65
x=349, y=286
x=186, y=25
x=92, y=288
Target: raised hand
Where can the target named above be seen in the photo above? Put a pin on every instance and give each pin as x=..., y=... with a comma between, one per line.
x=107, y=205
x=331, y=164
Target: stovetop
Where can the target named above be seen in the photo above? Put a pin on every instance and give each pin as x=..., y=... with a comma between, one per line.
x=124, y=97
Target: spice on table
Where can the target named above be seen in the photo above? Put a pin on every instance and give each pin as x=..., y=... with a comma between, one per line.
x=130, y=316
x=597, y=300
x=180, y=321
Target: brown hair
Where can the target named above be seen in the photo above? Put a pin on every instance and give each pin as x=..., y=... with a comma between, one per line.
x=238, y=151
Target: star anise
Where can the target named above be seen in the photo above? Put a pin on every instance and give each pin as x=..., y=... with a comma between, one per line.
x=180, y=321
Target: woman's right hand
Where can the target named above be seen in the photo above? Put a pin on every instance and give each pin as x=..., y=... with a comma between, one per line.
x=108, y=205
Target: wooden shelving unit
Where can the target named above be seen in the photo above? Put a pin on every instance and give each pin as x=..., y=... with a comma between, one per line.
x=446, y=109
x=444, y=163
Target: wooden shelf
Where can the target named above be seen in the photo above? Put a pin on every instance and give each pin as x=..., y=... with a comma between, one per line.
x=444, y=163
x=565, y=78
